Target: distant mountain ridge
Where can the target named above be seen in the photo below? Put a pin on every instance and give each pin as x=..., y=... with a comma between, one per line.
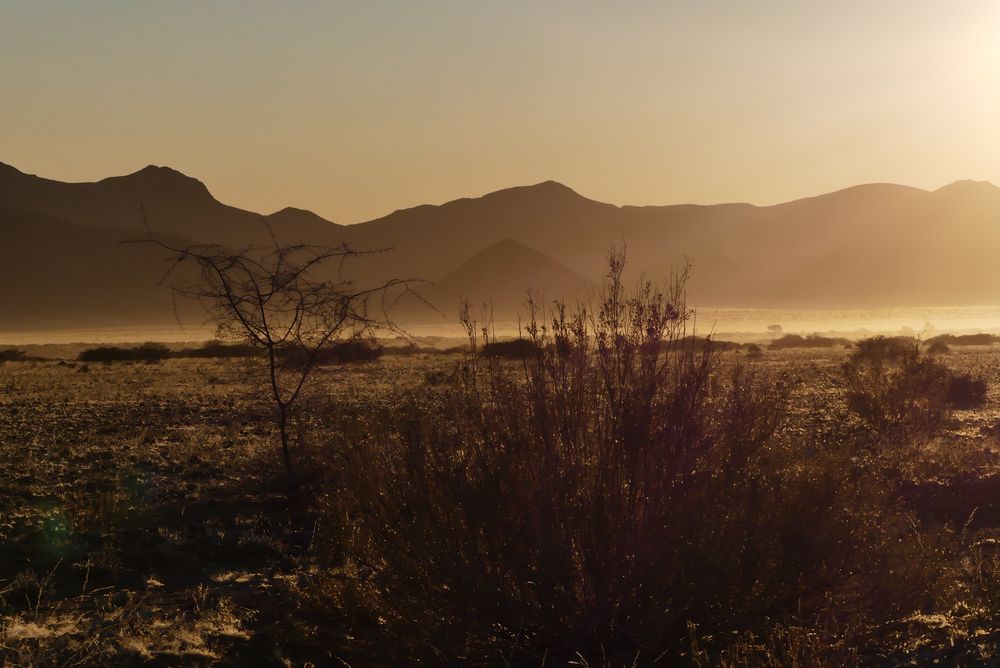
x=174, y=204
x=869, y=245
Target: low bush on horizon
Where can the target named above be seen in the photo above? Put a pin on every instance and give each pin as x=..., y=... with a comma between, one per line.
x=514, y=349
x=13, y=355
x=347, y=351
x=938, y=347
x=964, y=339
x=218, y=350
x=147, y=352
x=404, y=351
x=701, y=342
x=810, y=341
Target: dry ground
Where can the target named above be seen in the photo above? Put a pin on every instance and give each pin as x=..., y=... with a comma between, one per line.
x=142, y=514
x=142, y=518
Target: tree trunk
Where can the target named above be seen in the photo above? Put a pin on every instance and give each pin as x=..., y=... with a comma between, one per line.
x=285, y=452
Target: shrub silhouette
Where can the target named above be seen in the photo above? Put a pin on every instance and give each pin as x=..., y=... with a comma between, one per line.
x=938, y=347
x=701, y=342
x=352, y=350
x=514, y=349
x=218, y=349
x=147, y=352
x=895, y=389
x=965, y=339
x=283, y=301
x=811, y=341
x=964, y=391
x=601, y=494
x=12, y=355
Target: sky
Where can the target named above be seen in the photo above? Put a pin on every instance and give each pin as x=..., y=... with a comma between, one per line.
x=355, y=109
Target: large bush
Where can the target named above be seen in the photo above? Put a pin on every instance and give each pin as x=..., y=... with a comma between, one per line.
x=604, y=493
x=964, y=391
x=898, y=391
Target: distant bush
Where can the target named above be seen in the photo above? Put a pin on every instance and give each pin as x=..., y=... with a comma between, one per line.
x=700, y=343
x=513, y=349
x=895, y=389
x=351, y=350
x=964, y=391
x=938, y=347
x=965, y=339
x=404, y=351
x=218, y=349
x=12, y=355
x=147, y=352
x=754, y=351
x=811, y=341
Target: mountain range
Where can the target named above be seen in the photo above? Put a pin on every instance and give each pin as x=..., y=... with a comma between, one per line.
x=872, y=245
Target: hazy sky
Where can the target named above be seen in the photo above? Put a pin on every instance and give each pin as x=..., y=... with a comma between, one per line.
x=354, y=109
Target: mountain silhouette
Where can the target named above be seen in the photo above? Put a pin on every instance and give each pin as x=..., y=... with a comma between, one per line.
x=499, y=279
x=865, y=246
x=60, y=275
x=298, y=219
x=174, y=204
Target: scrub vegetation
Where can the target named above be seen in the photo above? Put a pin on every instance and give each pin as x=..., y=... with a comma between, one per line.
x=604, y=491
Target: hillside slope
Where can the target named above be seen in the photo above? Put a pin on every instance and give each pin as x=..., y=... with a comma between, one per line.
x=866, y=246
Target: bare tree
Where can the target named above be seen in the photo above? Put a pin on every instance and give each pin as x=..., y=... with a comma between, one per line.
x=282, y=300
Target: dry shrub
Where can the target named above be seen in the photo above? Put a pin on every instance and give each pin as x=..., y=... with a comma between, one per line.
x=966, y=392
x=894, y=389
x=899, y=392
x=594, y=498
x=937, y=347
